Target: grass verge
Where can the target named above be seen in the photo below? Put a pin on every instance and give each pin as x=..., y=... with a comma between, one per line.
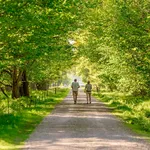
x=135, y=111
x=16, y=127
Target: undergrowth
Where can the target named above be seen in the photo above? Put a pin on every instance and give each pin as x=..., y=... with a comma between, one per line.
x=24, y=115
x=135, y=111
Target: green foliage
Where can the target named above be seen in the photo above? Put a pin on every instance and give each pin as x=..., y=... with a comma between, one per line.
x=111, y=44
x=34, y=38
x=133, y=110
x=19, y=123
x=112, y=36
x=115, y=41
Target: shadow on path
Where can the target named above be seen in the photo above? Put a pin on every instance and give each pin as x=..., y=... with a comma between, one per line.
x=83, y=126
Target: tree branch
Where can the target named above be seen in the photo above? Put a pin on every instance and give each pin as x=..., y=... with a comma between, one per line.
x=5, y=84
x=4, y=92
x=6, y=71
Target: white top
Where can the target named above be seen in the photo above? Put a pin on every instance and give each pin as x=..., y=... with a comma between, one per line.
x=75, y=86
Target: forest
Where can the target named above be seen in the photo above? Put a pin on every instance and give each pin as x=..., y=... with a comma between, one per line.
x=106, y=41
x=111, y=38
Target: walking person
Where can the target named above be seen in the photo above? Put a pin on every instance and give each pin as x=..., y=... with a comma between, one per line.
x=75, y=85
x=88, y=89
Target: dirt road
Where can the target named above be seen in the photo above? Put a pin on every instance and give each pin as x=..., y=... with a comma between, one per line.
x=83, y=126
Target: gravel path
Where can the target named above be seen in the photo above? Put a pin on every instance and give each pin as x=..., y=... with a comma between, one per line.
x=83, y=126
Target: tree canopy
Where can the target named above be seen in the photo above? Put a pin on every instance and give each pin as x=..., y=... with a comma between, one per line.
x=115, y=41
x=111, y=42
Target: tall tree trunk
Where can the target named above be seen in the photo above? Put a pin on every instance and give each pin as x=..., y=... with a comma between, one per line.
x=24, y=88
x=15, y=84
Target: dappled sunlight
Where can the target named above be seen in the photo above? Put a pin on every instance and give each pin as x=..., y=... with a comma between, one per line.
x=8, y=146
x=83, y=116
x=76, y=143
x=47, y=44
x=82, y=126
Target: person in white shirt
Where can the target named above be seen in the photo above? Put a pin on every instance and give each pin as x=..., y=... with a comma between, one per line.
x=75, y=85
x=88, y=88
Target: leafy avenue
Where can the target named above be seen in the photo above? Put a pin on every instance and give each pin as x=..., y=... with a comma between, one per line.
x=105, y=41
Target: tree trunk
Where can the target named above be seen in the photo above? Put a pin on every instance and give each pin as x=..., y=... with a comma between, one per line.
x=24, y=88
x=97, y=89
x=15, y=84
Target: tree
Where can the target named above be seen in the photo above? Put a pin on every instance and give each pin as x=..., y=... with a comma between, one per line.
x=115, y=36
x=29, y=32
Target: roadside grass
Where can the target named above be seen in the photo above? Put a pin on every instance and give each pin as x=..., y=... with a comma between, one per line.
x=135, y=111
x=19, y=123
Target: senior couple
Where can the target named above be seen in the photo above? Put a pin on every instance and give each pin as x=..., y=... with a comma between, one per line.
x=88, y=87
